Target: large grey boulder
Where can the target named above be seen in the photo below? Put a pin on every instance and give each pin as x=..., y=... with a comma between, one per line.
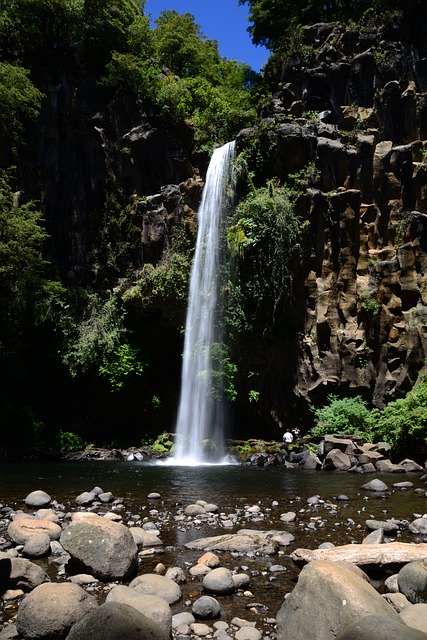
x=19, y=573
x=22, y=529
x=378, y=628
x=161, y=586
x=412, y=581
x=51, y=610
x=154, y=607
x=103, y=548
x=328, y=597
x=115, y=620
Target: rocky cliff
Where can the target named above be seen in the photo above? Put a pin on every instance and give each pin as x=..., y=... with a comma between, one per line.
x=350, y=120
x=348, y=127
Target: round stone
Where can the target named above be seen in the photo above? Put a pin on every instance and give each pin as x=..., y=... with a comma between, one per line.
x=38, y=499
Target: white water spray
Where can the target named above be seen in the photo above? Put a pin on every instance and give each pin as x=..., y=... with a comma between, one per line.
x=200, y=414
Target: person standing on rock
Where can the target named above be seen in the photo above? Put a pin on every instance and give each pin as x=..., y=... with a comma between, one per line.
x=288, y=438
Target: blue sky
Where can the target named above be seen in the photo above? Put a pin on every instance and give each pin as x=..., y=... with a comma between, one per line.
x=221, y=20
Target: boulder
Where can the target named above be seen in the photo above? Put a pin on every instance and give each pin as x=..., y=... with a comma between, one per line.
x=378, y=628
x=38, y=499
x=114, y=620
x=22, y=529
x=51, y=610
x=206, y=608
x=104, y=548
x=219, y=581
x=412, y=581
x=328, y=597
x=161, y=586
x=23, y=574
x=375, y=485
x=37, y=546
x=155, y=608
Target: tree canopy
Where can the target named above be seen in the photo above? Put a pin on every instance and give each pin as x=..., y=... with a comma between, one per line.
x=271, y=19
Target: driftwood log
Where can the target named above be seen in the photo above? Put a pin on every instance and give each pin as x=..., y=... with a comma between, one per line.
x=364, y=554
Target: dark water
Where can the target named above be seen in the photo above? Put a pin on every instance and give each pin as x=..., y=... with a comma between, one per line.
x=231, y=488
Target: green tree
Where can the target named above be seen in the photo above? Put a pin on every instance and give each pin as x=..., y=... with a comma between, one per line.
x=271, y=20
x=403, y=422
x=24, y=282
x=182, y=47
x=19, y=100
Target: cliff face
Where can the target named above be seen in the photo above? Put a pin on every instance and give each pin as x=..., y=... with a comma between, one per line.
x=352, y=120
x=87, y=147
x=356, y=121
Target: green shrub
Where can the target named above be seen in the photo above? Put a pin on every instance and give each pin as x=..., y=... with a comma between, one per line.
x=404, y=421
x=69, y=441
x=347, y=416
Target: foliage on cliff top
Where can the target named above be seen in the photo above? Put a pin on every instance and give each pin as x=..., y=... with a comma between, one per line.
x=272, y=19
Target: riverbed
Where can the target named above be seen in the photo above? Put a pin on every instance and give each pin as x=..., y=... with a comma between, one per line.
x=339, y=517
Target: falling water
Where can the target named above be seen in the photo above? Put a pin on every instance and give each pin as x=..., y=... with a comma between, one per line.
x=200, y=414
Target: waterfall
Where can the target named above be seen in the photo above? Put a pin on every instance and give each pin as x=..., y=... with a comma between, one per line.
x=200, y=413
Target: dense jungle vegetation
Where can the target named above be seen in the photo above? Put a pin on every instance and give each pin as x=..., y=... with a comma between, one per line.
x=56, y=334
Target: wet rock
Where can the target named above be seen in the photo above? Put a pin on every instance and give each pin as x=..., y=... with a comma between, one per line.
x=184, y=617
x=154, y=607
x=245, y=540
x=219, y=581
x=85, y=498
x=412, y=581
x=410, y=466
x=419, y=525
x=199, y=629
x=194, y=510
x=114, y=620
x=388, y=526
x=51, y=610
x=106, y=497
x=375, y=485
x=199, y=570
x=370, y=627
x=206, y=608
x=209, y=559
x=248, y=633
x=156, y=585
x=326, y=598
x=38, y=498
x=144, y=538
x=154, y=496
x=37, y=546
x=241, y=580
x=403, y=485
x=22, y=529
x=104, y=548
x=289, y=516
x=375, y=537
x=19, y=573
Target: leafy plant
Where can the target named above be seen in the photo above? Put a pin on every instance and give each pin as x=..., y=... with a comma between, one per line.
x=124, y=362
x=264, y=245
x=347, y=416
x=370, y=303
x=69, y=441
x=404, y=421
